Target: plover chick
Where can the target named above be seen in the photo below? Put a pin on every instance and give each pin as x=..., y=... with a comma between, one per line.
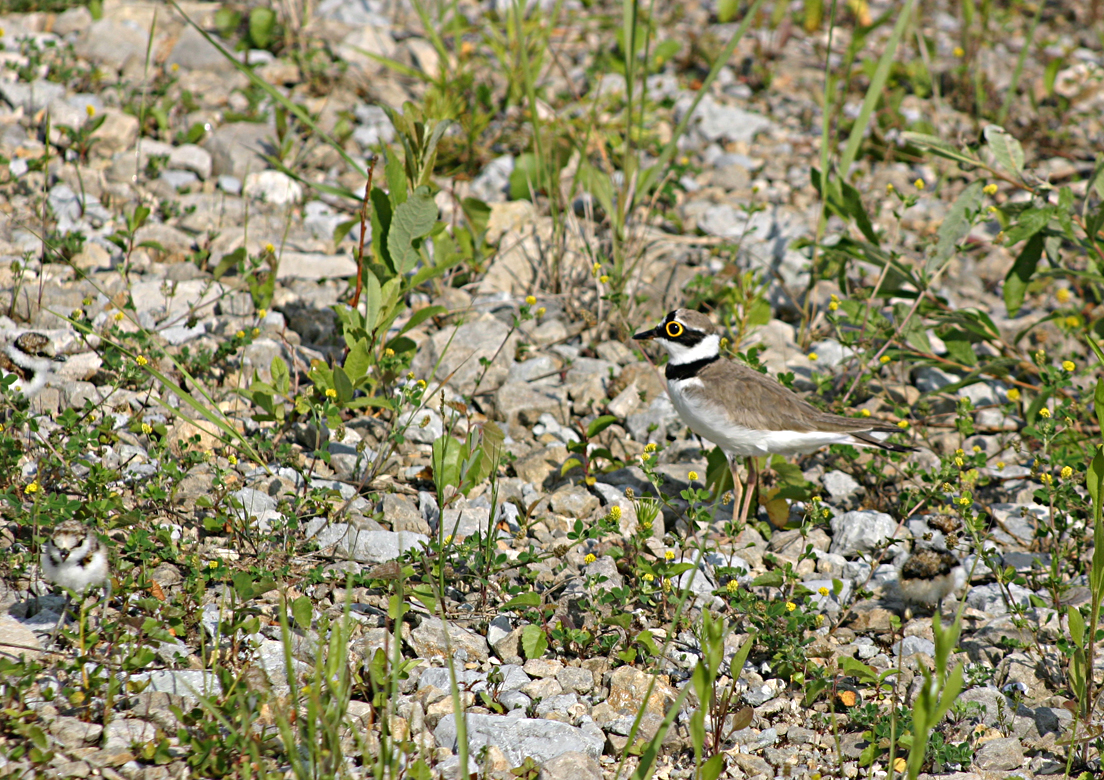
x=31, y=357
x=929, y=576
x=75, y=559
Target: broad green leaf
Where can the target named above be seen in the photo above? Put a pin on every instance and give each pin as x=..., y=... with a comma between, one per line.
x=570, y=463
x=1076, y=625
x=421, y=316
x=955, y=227
x=1006, y=149
x=1019, y=276
x=739, y=658
x=533, y=641
x=938, y=146
x=243, y=585
x=772, y=579
x=599, y=424
x=343, y=385
x=853, y=204
x=858, y=669
x=262, y=26
x=302, y=612
x=357, y=362
x=373, y=301
x=412, y=220
x=712, y=768
x=525, y=600
x=281, y=376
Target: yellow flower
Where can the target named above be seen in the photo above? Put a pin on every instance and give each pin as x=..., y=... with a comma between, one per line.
x=813, y=356
x=212, y=564
x=604, y=279
x=389, y=353
x=33, y=487
x=141, y=360
x=903, y=424
x=650, y=447
x=958, y=462
x=976, y=449
x=889, y=189
x=540, y=312
x=1013, y=395
x=1044, y=412
x=410, y=375
x=667, y=586
x=589, y=559
x=615, y=512
x=530, y=300
x=947, y=487
x=147, y=429
x=448, y=539
x=76, y=314
x=864, y=412
x=1000, y=465
x=1066, y=472
x=990, y=189
x=732, y=586
x=669, y=555
x=1073, y=321
x=269, y=248
x=960, y=452
x=835, y=298
x=596, y=268
x=1046, y=479
x=90, y=110
x=692, y=476
x=647, y=525
x=833, y=305
x=255, y=332
x=724, y=342
x=262, y=313
x=421, y=383
x=233, y=460
x=1062, y=295
x=174, y=67
x=118, y=316
x=240, y=334
x=885, y=359
x=959, y=51
x=649, y=578
x=823, y=591
x=918, y=184
x=992, y=209
x=1068, y=366
x=965, y=500
x=331, y=392
x=1040, y=355
x=791, y=606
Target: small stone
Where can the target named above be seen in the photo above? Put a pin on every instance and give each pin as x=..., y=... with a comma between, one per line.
x=572, y=765
x=121, y=733
x=854, y=533
x=542, y=667
x=997, y=755
x=273, y=187
x=574, y=501
x=428, y=641
x=403, y=514
x=576, y=679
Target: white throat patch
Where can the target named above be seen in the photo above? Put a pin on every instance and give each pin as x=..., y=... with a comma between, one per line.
x=708, y=347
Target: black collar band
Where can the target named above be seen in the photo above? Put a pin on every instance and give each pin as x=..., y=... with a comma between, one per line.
x=689, y=370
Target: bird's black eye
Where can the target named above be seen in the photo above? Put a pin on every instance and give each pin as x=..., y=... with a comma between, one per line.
x=674, y=329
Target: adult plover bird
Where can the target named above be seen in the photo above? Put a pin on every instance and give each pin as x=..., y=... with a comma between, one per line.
x=745, y=413
x=31, y=357
x=75, y=559
x=928, y=576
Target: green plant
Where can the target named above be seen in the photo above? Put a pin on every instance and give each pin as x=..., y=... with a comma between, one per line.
x=715, y=699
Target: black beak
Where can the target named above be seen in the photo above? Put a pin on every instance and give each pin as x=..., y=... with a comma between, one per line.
x=646, y=335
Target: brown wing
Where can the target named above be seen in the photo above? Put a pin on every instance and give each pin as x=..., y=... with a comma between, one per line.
x=756, y=400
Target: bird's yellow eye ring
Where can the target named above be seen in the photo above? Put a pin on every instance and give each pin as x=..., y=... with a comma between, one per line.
x=674, y=329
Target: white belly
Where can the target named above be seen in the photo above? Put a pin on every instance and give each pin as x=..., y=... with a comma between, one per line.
x=736, y=441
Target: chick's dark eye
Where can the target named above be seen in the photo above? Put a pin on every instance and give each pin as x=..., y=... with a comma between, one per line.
x=674, y=329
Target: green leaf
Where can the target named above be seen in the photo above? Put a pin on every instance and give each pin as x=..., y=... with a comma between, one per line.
x=712, y=768
x=421, y=316
x=856, y=668
x=342, y=385
x=281, y=376
x=243, y=585
x=599, y=424
x=302, y=612
x=373, y=301
x=413, y=220
x=1005, y=148
x=1076, y=625
x=955, y=226
x=852, y=202
x=1019, y=276
x=357, y=362
x=525, y=600
x=772, y=579
x=941, y=148
x=262, y=26
x=533, y=641
x=739, y=658
x=570, y=463
x=1098, y=394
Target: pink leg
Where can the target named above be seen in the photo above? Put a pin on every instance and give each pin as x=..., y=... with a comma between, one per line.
x=749, y=490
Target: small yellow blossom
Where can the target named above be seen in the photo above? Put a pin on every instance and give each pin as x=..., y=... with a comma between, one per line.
x=947, y=487
x=669, y=555
x=884, y=359
x=1062, y=295
x=233, y=460
x=992, y=209
x=650, y=447
x=649, y=578
x=835, y=298
x=791, y=606
x=1068, y=366
x=141, y=360
x=389, y=353
x=833, y=305
x=604, y=279
x=76, y=314
x=727, y=498
x=448, y=539
x=903, y=424
x=1013, y=395
x=540, y=311
x=813, y=356
x=212, y=564
x=174, y=67
x=960, y=452
x=965, y=500
x=147, y=429
x=918, y=184
x=732, y=586
x=1073, y=321
x=958, y=462
x=823, y=591
x=269, y=249
x=596, y=268
x=1044, y=412
x=820, y=620
x=692, y=476
x=255, y=332
x=1000, y=465
x=976, y=449
x=959, y=51
x=646, y=525
x=864, y=412
x=33, y=487
x=331, y=392
x=262, y=313
x=90, y=110
x=667, y=586
x=118, y=316
x=1046, y=479
x=1040, y=355
x=421, y=383
x=889, y=189
x=990, y=189
x=530, y=300
x=724, y=342
x=1066, y=472
x=589, y=559
x=240, y=334
x=615, y=512
x=410, y=375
